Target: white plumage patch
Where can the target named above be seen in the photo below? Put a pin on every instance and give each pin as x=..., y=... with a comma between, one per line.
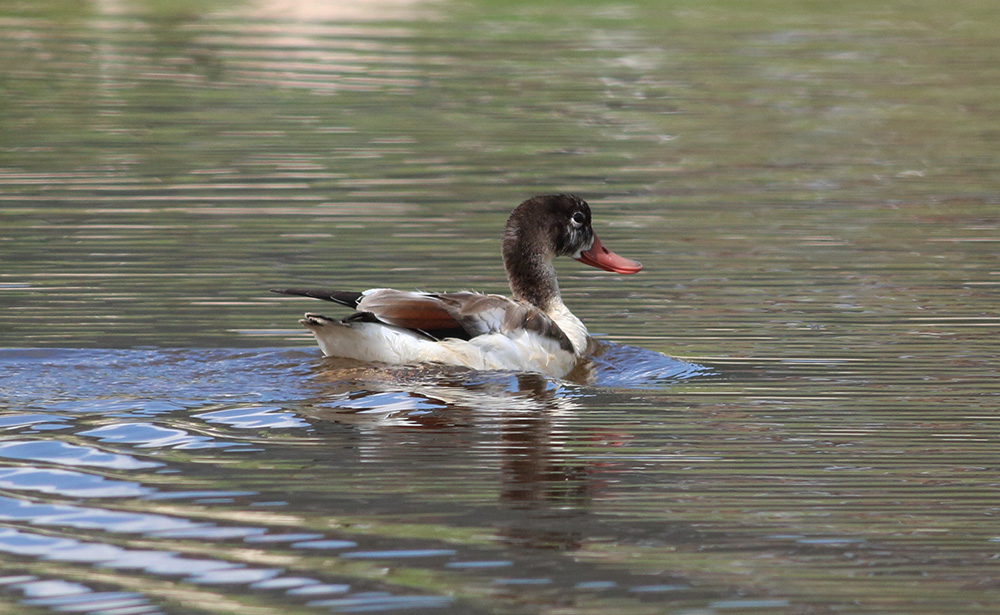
x=572, y=326
x=516, y=350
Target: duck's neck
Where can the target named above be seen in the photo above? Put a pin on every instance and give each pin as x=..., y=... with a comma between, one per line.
x=531, y=275
x=532, y=278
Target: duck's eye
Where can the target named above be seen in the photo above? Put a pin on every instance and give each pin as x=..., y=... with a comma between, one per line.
x=578, y=219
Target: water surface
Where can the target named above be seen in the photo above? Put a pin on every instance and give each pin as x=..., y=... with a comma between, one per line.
x=795, y=408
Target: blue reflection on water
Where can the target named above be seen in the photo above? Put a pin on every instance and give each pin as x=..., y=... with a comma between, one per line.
x=69, y=483
x=66, y=596
x=253, y=418
x=21, y=420
x=622, y=366
x=77, y=415
x=63, y=453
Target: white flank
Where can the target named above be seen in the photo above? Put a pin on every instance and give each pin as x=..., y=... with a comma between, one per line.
x=515, y=350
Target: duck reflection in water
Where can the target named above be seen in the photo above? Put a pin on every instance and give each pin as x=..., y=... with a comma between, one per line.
x=522, y=424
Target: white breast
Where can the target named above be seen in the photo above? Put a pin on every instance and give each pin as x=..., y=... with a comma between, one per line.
x=572, y=326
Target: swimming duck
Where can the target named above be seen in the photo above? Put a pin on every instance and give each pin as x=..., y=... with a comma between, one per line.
x=531, y=331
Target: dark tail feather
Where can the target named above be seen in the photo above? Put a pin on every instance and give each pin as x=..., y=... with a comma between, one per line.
x=337, y=296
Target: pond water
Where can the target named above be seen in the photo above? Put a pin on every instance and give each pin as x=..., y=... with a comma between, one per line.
x=795, y=406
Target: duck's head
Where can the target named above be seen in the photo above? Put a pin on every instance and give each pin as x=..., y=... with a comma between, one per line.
x=542, y=228
x=558, y=225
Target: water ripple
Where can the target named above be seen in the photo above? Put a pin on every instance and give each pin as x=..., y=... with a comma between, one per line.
x=255, y=417
x=63, y=453
x=69, y=483
x=65, y=596
x=149, y=435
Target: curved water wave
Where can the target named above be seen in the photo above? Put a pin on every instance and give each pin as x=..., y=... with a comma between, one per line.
x=622, y=366
x=150, y=435
x=63, y=453
x=69, y=483
x=65, y=596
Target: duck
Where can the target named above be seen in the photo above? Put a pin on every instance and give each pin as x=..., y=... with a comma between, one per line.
x=530, y=331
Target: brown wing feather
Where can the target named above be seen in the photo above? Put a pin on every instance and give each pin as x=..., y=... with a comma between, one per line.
x=408, y=310
x=530, y=318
